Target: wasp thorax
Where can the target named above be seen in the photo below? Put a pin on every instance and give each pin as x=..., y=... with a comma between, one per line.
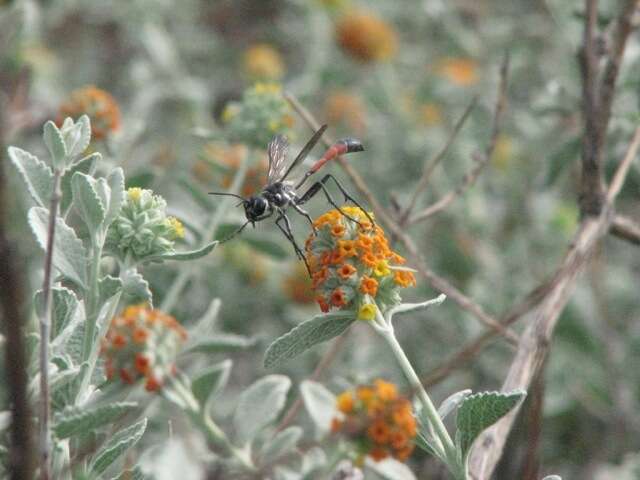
x=254, y=207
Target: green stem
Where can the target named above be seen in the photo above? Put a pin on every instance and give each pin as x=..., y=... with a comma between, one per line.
x=184, y=275
x=447, y=446
x=192, y=408
x=92, y=297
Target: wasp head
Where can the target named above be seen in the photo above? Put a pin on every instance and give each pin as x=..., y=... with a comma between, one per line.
x=254, y=207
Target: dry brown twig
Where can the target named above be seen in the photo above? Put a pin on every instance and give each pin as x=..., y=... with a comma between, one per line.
x=626, y=229
x=431, y=164
x=481, y=160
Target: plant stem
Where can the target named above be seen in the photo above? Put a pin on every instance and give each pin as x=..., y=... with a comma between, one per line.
x=92, y=297
x=45, y=323
x=184, y=275
x=205, y=423
x=446, y=445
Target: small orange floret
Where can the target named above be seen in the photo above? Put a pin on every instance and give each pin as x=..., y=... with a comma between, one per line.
x=378, y=431
x=345, y=402
x=378, y=453
x=119, y=340
x=346, y=270
x=152, y=384
x=338, y=230
x=404, y=278
x=140, y=335
x=338, y=298
x=385, y=390
x=369, y=286
x=142, y=363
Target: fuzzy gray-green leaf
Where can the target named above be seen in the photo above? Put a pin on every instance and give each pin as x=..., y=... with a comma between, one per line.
x=222, y=342
x=78, y=137
x=116, y=185
x=35, y=173
x=259, y=405
x=55, y=144
x=317, y=330
x=135, y=474
x=478, y=412
x=135, y=287
x=210, y=381
x=183, y=256
x=87, y=201
x=320, y=404
x=283, y=442
x=65, y=304
x=69, y=255
x=85, y=165
x=75, y=420
x=108, y=286
x=117, y=445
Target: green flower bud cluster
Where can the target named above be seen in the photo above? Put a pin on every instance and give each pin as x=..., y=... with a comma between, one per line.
x=142, y=228
x=260, y=114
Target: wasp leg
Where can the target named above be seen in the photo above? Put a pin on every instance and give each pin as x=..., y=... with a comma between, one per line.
x=347, y=197
x=305, y=214
x=286, y=230
x=315, y=188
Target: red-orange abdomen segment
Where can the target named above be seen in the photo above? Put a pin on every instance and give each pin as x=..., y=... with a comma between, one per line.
x=347, y=145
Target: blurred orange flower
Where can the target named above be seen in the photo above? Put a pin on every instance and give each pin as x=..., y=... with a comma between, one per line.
x=99, y=105
x=366, y=37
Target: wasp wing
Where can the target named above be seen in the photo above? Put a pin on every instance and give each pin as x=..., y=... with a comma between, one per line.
x=305, y=151
x=277, y=151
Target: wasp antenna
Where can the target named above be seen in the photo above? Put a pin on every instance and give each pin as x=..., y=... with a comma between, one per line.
x=235, y=233
x=228, y=195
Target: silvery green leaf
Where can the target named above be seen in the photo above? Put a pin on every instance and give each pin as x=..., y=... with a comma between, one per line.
x=306, y=335
x=552, y=477
x=452, y=402
x=108, y=286
x=87, y=201
x=210, y=381
x=35, y=173
x=116, y=186
x=222, y=342
x=424, y=444
x=77, y=137
x=135, y=287
x=414, y=307
x=76, y=420
x=117, y=445
x=84, y=165
x=5, y=420
x=64, y=303
x=285, y=473
x=313, y=460
x=69, y=255
x=259, y=405
x=478, y=412
x=390, y=469
x=183, y=256
x=282, y=443
x=62, y=378
x=320, y=404
x=55, y=144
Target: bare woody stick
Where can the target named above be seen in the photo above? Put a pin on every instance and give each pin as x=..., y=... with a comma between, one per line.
x=482, y=160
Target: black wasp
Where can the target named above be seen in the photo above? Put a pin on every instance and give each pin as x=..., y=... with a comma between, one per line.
x=282, y=193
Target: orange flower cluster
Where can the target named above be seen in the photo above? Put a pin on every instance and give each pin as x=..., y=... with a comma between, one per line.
x=99, y=105
x=366, y=38
x=222, y=160
x=262, y=61
x=344, y=108
x=297, y=285
x=142, y=343
x=352, y=264
x=377, y=420
x=459, y=71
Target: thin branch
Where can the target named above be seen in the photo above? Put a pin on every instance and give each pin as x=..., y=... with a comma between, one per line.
x=434, y=280
x=626, y=229
x=45, y=323
x=434, y=161
x=591, y=183
x=481, y=160
x=21, y=452
x=623, y=169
